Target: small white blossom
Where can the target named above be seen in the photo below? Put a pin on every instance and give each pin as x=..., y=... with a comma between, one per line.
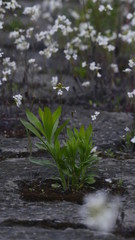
x=84, y=64
x=60, y=92
x=131, y=63
x=94, y=67
x=54, y=81
x=67, y=88
x=94, y=149
x=18, y=99
x=99, y=75
x=127, y=129
x=127, y=70
x=109, y=180
x=133, y=140
x=86, y=84
x=31, y=60
x=101, y=8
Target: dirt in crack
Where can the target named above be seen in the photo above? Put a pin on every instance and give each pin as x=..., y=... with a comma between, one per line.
x=42, y=190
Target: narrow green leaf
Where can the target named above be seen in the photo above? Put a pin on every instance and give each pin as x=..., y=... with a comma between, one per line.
x=35, y=121
x=58, y=131
x=32, y=129
x=42, y=162
x=56, y=114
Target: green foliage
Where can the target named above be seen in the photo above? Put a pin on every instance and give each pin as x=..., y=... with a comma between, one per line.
x=15, y=24
x=128, y=144
x=73, y=159
x=103, y=21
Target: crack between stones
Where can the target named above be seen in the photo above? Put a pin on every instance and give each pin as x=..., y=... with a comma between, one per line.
x=47, y=224
x=128, y=232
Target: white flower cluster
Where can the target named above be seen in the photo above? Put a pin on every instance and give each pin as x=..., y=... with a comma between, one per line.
x=8, y=68
x=34, y=12
x=12, y=5
x=133, y=140
x=94, y=67
x=52, y=5
x=21, y=38
x=58, y=86
x=131, y=94
x=106, y=8
x=131, y=64
x=94, y=117
x=18, y=99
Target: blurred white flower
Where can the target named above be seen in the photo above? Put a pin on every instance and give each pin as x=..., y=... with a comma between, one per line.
x=94, y=149
x=100, y=211
x=18, y=99
x=127, y=129
x=60, y=92
x=54, y=81
x=127, y=70
x=84, y=64
x=133, y=140
x=86, y=84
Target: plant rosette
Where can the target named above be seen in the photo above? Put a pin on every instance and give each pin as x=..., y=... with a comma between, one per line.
x=72, y=157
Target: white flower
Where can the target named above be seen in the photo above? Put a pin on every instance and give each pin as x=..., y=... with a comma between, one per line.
x=1, y=25
x=14, y=34
x=127, y=129
x=33, y=11
x=115, y=68
x=31, y=60
x=86, y=84
x=93, y=117
x=129, y=16
x=127, y=70
x=94, y=149
x=94, y=67
x=131, y=94
x=101, y=8
x=60, y=92
x=109, y=7
x=54, y=81
x=100, y=211
x=18, y=99
x=12, y=5
x=67, y=88
x=133, y=140
x=1, y=53
x=109, y=180
x=99, y=75
x=97, y=113
x=110, y=48
x=131, y=63
x=84, y=64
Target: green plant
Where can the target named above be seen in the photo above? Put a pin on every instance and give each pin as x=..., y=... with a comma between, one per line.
x=72, y=157
x=128, y=143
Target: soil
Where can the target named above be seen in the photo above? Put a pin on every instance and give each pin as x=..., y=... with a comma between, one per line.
x=43, y=190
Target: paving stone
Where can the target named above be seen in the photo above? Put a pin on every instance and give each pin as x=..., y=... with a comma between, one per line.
x=22, y=233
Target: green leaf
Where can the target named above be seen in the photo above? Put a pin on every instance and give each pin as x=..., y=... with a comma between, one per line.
x=35, y=121
x=70, y=133
x=56, y=114
x=41, y=146
x=48, y=123
x=59, y=129
x=41, y=114
x=90, y=179
x=32, y=129
x=42, y=162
